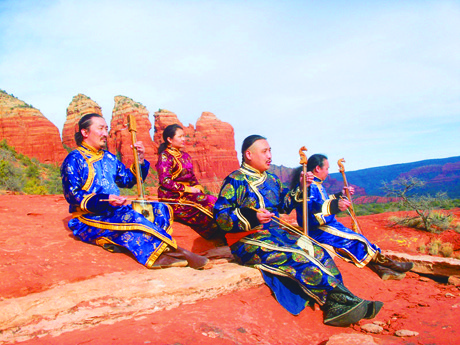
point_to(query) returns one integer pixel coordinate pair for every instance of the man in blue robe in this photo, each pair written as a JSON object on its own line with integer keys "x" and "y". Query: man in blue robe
{"x": 296, "y": 269}
{"x": 91, "y": 177}
{"x": 326, "y": 229}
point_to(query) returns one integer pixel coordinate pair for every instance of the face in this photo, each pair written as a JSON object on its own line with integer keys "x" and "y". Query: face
{"x": 178, "y": 141}
{"x": 96, "y": 135}
{"x": 322, "y": 172}
{"x": 259, "y": 155}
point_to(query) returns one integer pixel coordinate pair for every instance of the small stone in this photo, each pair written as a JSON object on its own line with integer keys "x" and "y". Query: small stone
{"x": 380, "y": 323}
{"x": 372, "y": 328}
{"x": 449, "y": 295}
{"x": 406, "y": 333}
{"x": 424, "y": 279}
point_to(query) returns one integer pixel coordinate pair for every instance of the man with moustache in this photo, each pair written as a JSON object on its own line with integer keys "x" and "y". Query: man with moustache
{"x": 91, "y": 177}
{"x": 297, "y": 270}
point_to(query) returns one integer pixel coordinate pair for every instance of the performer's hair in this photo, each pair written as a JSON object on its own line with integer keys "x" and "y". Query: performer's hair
{"x": 85, "y": 122}
{"x": 247, "y": 143}
{"x": 169, "y": 132}
{"x": 315, "y": 160}
{"x": 295, "y": 177}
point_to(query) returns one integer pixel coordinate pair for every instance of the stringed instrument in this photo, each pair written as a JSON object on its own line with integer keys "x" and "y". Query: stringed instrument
{"x": 354, "y": 221}
{"x": 303, "y": 162}
{"x": 140, "y": 204}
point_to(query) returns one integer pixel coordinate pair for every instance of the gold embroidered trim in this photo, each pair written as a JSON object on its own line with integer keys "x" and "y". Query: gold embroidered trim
{"x": 127, "y": 227}
{"x": 85, "y": 201}
{"x": 176, "y": 155}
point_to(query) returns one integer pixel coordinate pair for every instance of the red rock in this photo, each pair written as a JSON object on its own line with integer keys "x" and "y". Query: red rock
{"x": 454, "y": 280}
{"x": 34, "y": 266}
{"x": 351, "y": 339}
{"x": 28, "y": 131}
{"x": 119, "y": 136}
{"x": 451, "y": 236}
{"x": 80, "y": 106}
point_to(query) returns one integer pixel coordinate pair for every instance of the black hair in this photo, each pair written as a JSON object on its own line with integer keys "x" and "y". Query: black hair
{"x": 85, "y": 122}
{"x": 169, "y": 132}
{"x": 315, "y": 160}
{"x": 247, "y": 143}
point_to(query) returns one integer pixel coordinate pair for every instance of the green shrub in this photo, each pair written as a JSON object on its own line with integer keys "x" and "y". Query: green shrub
{"x": 34, "y": 186}
{"x": 434, "y": 247}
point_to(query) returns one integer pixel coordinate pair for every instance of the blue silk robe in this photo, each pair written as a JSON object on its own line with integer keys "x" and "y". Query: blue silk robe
{"x": 326, "y": 229}
{"x": 295, "y": 276}
{"x": 89, "y": 176}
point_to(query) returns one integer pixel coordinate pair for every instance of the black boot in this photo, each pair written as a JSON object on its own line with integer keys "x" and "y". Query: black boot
{"x": 382, "y": 260}
{"x": 386, "y": 273}
{"x": 342, "y": 308}
{"x": 194, "y": 260}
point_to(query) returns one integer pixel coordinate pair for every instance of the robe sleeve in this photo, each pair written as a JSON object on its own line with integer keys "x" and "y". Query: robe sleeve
{"x": 164, "y": 168}
{"x": 321, "y": 208}
{"x": 74, "y": 172}
{"x": 232, "y": 210}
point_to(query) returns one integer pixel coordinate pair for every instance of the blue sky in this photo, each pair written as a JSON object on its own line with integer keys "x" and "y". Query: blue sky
{"x": 374, "y": 82}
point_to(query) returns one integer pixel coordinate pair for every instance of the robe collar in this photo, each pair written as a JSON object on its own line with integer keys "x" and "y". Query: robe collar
{"x": 174, "y": 152}
{"x": 92, "y": 150}
{"x": 249, "y": 170}
{"x": 317, "y": 180}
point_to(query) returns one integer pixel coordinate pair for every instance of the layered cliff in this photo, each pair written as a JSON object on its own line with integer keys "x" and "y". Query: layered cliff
{"x": 28, "y": 131}
{"x": 120, "y": 140}
{"x": 80, "y": 106}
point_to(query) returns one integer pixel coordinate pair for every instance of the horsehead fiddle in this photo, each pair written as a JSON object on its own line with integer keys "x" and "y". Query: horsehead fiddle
{"x": 140, "y": 204}
{"x": 303, "y": 162}
{"x": 354, "y": 222}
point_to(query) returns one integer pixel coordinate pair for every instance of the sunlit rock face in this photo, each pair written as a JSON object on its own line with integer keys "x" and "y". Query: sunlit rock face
{"x": 81, "y": 105}
{"x": 28, "y": 131}
{"x": 120, "y": 137}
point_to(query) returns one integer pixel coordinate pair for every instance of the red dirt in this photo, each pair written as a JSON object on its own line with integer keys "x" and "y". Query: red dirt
{"x": 37, "y": 251}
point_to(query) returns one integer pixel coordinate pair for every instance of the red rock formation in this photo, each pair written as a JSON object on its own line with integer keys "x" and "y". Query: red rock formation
{"x": 211, "y": 146}
{"x": 28, "y": 131}
{"x": 80, "y": 106}
{"x": 119, "y": 136}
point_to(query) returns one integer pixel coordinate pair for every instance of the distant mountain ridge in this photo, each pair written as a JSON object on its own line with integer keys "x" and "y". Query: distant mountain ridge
{"x": 440, "y": 175}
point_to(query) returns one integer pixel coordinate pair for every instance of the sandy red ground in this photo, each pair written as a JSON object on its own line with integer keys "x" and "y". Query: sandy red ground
{"x": 37, "y": 251}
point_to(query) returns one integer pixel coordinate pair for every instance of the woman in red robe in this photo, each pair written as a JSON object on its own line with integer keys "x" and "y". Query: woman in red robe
{"x": 178, "y": 183}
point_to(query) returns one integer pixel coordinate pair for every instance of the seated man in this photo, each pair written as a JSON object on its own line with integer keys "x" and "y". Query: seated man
{"x": 326, "y": 229}
{"x": 249, "y": 203}
{"x": 90, "y": 179}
